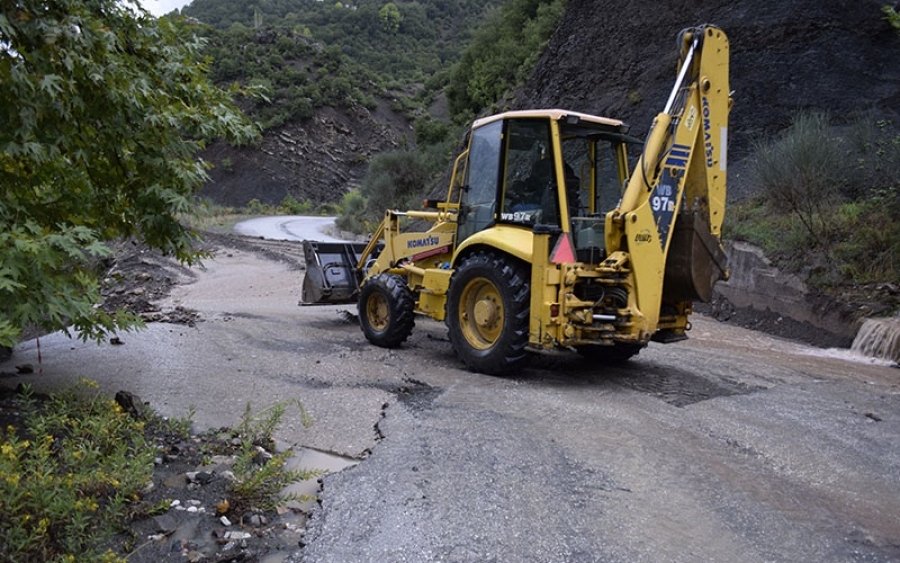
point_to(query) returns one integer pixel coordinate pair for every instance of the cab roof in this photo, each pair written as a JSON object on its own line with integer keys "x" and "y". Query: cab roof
{"x": 554, "y": 114}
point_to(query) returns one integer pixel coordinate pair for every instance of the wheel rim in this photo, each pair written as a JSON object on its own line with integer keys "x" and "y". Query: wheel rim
{"x": 481, "y": 313}
{"x": 377, "y": 312}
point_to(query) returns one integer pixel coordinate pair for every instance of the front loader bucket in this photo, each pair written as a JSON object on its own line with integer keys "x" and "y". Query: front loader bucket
{"x": 331, "y": 273}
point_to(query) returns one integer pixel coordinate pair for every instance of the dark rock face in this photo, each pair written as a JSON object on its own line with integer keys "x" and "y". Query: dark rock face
{"x": 319, "y": 159}
{"x": 618, "y": 58}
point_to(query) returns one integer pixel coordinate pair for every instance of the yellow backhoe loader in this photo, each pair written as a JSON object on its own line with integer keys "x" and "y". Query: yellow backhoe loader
{"x": 547, "y": 240}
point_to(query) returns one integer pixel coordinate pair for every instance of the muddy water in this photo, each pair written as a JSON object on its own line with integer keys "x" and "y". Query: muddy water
{"x": 321, "y": 462}
{"x": 879, "y": 338}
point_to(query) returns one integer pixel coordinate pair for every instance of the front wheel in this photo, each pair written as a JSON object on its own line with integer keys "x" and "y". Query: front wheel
{"x": 386, "y": 307}
{"x": 487, "y": 313}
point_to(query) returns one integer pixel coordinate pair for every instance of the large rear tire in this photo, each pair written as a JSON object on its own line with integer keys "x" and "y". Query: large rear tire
{"x": 386, "y": 307}
{"x": 487, "y": 313}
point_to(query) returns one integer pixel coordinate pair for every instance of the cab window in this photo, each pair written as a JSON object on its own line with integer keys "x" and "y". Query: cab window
{"x": 529, "y": 178}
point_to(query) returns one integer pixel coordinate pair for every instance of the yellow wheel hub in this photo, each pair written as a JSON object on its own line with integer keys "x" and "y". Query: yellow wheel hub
{"x": 481, "y": 313}
{"x": 377, "y": 311}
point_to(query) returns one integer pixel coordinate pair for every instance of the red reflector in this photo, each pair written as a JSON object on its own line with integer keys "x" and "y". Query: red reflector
{"x": 564, "y": 251}
{"x": 554, "y": 310}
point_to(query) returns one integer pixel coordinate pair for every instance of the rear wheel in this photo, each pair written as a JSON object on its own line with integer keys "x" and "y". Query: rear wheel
{"x": 487, "y": 313}
{"x": 615, "y": 354}
{"x": 386, "y": 310}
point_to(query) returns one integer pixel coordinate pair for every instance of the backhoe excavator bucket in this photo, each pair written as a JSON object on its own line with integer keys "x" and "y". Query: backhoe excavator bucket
{"x": 331, "y": 273}
{"x": 696, "y": 261}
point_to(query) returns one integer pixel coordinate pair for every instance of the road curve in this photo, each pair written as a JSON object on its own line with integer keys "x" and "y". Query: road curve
{"x": 290, "y": 227}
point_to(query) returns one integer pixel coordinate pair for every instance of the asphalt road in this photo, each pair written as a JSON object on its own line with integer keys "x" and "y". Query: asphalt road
{"x": 731, "y": 446}
{"x": 290, "y": 227}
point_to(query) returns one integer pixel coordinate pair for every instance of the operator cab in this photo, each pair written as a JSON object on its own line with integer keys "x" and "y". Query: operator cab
{"x": 553, "y": 168}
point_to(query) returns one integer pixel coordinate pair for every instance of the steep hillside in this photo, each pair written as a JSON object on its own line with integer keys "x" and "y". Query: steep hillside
{"x": 617, "y": 58}
{"x": 316, "y": 159}
{"x": 342, "y": 81}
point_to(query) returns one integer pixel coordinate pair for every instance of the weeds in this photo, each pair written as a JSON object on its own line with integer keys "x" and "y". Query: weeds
{"x": 829, "y": 202}
{"x": 68, "y": 476}
{"x": 261, "y": 477}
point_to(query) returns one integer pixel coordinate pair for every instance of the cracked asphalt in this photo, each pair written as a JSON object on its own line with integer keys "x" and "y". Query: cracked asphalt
{"x": 731, "y": 446}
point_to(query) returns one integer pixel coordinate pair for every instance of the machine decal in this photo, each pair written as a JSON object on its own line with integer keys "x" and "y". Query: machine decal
{"x": 678, "y": 156}
{"x": 429, "y": 253}
{"x": 420, "y": 242}
{"x": 662, "y": 202}
{"x": 707, "y": 136}
{"x": 643, "y": 237}
{"x": 691, "y": 118}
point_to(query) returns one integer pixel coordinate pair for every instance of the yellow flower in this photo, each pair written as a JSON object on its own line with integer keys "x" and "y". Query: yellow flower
{"x": 8, "y": 451}
{"x": 13, "y": 479}
{"x": 42, "y": 526}
{"x": 89, "y": 383}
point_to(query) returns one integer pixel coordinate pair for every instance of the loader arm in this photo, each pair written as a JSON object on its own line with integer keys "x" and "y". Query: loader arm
{"x": 664, "y": 235}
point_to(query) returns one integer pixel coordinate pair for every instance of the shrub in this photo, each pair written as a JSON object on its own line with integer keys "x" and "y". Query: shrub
{"x": 261, "y": 477}
{"x": 394, "y": 180}
{"x": 829, "y": 203}
{"x": 68, "y": 476}
{"x": 802, "y": 173}
{"x": 352, "y": 215}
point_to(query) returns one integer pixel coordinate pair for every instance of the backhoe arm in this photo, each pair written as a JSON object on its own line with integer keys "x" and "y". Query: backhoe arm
{"x": 680, "y": 177}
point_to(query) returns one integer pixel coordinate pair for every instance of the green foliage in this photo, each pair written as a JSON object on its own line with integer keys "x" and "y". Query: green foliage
{"x": 296, "y": 74}
{"x": 829, "y": 203}
{"x": 502, "y": 53}
{"x": 102, "y": 111}
{"x": 353, "y": 217}
{"x": 68, "y": 476}
{"x": 892, "y": 17}
{"x": 431, "y": 131}
{"x": 801, "y": 173}
{"x": 261, "y": 477}
{"x": 390, "y": 17}
{"x": 395, "y": 180}
{"x": 426, "y": 38}
{"x": 290, "y": 206}
{"x": 313, "y": 54}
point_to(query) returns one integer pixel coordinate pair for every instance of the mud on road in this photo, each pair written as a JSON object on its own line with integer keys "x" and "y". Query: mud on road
{"x": 731, "y": 446}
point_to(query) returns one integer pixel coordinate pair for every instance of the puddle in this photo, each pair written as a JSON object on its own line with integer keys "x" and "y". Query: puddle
{"x": 314, "y": 460}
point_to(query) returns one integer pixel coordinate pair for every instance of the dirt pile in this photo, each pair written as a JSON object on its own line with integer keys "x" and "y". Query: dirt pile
{"x": 618, "y": 58}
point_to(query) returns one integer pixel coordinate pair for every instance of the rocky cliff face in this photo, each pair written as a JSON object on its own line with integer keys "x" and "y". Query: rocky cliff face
{"x": 617, "y": 58}
{"x": 318, "y": 159}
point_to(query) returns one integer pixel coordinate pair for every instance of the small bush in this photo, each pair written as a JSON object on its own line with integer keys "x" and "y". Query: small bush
{"x": 261, "y": 477}
{"x": 352, "y": 215}
{"x": 67, "y": 477}
{"x": 802, "y": 173}
{"x": 289, "y": 205}
{"x": 829, "y": 203}
{"x": 394, "y": 180}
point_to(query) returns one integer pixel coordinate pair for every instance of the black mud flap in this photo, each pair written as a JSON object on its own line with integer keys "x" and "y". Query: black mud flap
{"x": 331, "y": 274}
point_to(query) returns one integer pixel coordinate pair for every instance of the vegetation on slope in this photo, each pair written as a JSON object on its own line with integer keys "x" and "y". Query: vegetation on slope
{"x": 828, "y": 203}
{"x": 504, "y": 49}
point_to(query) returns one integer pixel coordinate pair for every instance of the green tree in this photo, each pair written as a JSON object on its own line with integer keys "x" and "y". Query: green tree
{"x": 503, "y": 51}
{"x": 390, "y": 17}
{"x": 102, "y": 111}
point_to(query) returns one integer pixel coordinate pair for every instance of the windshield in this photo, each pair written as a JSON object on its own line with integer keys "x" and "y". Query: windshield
{"x": 529, "y": 178}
